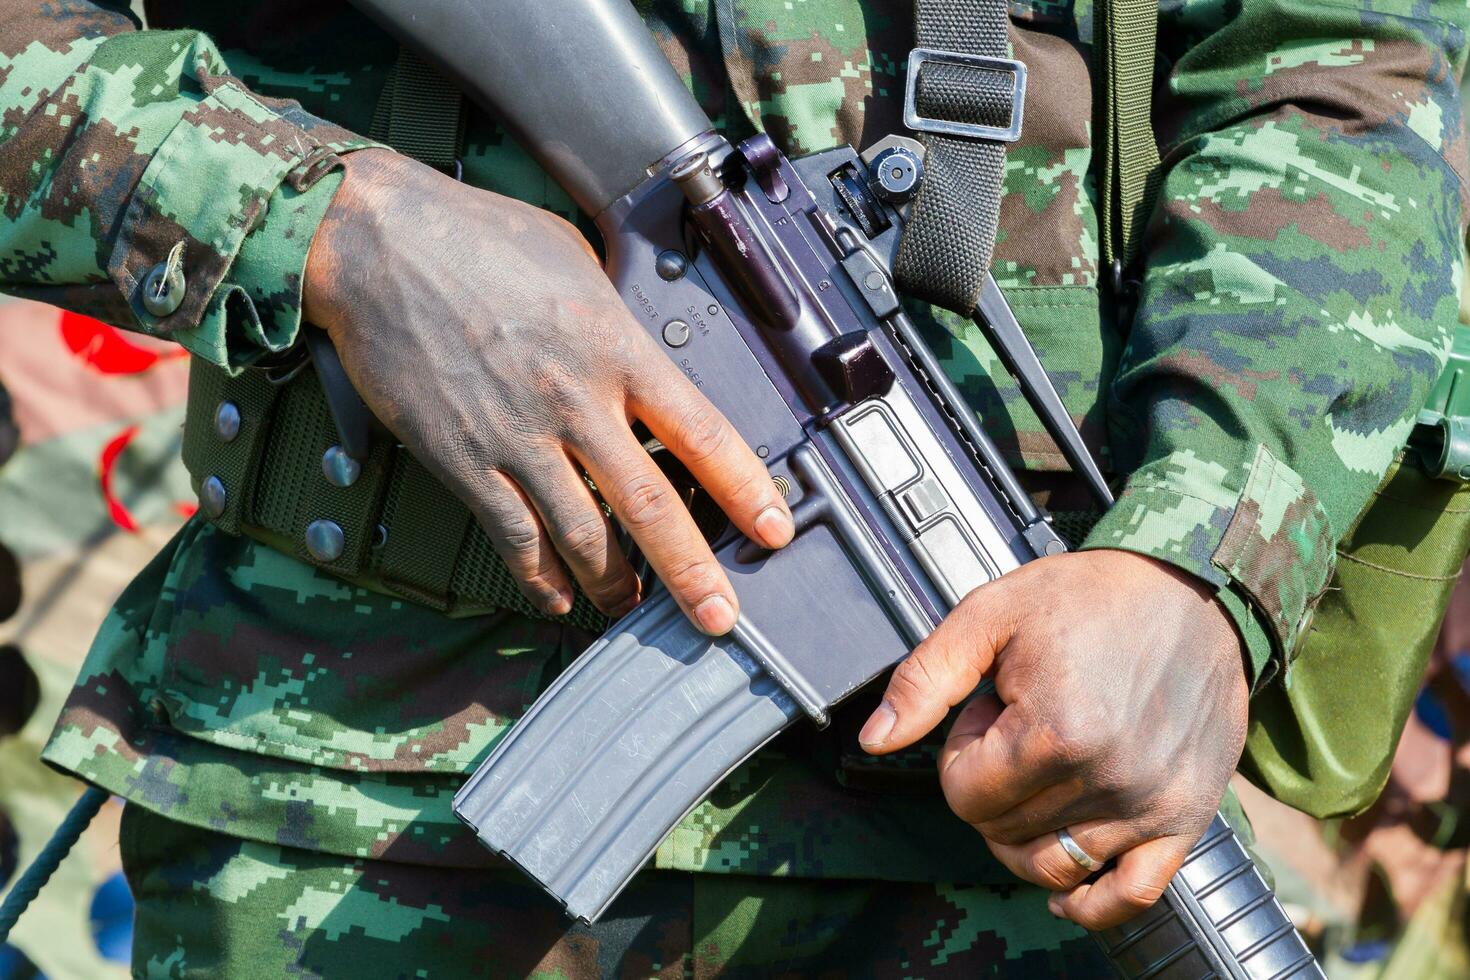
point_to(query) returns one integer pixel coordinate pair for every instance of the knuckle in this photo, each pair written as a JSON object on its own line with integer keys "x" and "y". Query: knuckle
{"x": 962, "y": 803}
{"x": 610, "y": 589}
{"x": 521, "y": 538}
{"x": 645, "y": 500}
{"x": 1090, "y": 918}
{"x": 608, "y": 336}
{"x": 693, "y": 577}
{"x": 559, "y": 388}
{"x": 1138, "y": 894}
{"x": 1010, "y": 836}
{"x": 912, "y": 679}
{"x": 539, "y": 587}
{"x": 1069, "y": 742}
{"x": 701, "y": 433}
{"x": 1047, "y": 871}
{"x": 749, "y": 493}
{"x": 1115, "y": 785}
{"x": 539, "y": 582}
{"x": 586, "y": 536}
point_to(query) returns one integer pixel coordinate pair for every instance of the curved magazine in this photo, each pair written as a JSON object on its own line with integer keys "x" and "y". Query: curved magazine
{"x": 627, "y": 741}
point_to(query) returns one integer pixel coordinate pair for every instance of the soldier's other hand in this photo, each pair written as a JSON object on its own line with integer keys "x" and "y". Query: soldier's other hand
{"x": 1119, "y": 715}
{"x": 484, "y": 334}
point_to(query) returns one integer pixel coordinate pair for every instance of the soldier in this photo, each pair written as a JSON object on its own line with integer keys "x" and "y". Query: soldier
{"x": 290, "y": 693}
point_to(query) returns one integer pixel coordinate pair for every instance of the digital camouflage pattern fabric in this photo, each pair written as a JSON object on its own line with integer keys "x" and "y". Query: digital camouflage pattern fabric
{"x": 121, "y": 146}
{"x": 1300, "y": 283}
{"x": 296, "y": 911}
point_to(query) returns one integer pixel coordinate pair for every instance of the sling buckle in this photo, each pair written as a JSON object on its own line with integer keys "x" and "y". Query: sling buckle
{"x": 980, "y": 96}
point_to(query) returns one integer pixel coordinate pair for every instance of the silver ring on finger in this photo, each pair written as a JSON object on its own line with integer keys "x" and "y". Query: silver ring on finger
{"x": 1076, "y": 853}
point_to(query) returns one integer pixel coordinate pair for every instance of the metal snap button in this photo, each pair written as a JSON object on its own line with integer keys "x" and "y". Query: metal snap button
{"x": 227, "y": 421}
{"x": 325, "y": 540}
{"x": 340, "y": 469}
{"x": 212, "y": 496}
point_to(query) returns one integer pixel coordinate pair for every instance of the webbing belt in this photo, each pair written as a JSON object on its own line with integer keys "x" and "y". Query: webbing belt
{"x": 402, "y": 532}
{"x": 393, "y": 527}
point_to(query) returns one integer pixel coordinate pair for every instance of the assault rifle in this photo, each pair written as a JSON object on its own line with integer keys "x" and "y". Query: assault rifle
{"x": 769, "y": 281}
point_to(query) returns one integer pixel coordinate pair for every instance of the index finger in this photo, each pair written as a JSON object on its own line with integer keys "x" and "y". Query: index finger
{"x": 702, "y": 438}
{"x": 647, "y": 506}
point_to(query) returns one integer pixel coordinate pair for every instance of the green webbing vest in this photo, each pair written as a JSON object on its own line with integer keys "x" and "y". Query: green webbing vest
{"x": 420, "y": 113}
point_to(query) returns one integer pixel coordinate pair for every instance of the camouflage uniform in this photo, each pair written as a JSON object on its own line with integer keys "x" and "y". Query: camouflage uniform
{"x": 290, "y": 741}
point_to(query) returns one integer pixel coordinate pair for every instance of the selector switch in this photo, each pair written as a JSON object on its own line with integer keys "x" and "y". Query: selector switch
{"x": 676, "y": 333}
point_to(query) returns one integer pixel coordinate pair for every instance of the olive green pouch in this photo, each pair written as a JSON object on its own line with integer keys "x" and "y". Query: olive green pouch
{"x": 1322, "y": 740}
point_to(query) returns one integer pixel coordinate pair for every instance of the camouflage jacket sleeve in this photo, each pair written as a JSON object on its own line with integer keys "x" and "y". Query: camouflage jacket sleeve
{"x": 1299, "y": 294}
{"x": 124, "y": 150}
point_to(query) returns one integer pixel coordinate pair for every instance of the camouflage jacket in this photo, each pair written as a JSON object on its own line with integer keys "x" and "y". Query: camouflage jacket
{"x": 1299, "y": 286}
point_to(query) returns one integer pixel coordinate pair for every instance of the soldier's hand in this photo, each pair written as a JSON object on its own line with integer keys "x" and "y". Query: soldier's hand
{"x": 1119, "y": 715}
{"x": 483, "y": 333}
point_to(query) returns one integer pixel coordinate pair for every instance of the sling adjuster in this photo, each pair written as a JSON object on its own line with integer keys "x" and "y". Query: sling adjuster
{"x": 984, "y": 87}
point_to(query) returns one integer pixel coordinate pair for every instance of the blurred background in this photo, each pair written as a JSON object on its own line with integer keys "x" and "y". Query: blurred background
{"x": 90, "y": 488}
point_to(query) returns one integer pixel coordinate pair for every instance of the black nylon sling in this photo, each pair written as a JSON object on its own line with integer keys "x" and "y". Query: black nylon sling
{"x": 950, "y": 234}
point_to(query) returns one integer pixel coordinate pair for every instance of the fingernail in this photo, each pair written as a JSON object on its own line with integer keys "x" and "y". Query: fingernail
{"x": 774, "y": 527}
{"x": 1055, "y": 908}
{"x": 715, "y": 615}
{"x": 879, "y": 724}
{"x": 561, "y": 604}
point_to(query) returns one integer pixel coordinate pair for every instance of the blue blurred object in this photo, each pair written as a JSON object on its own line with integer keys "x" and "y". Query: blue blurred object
{"x": 1432, "y": 714}
{"x": 1370, "y": 951}
{"x": 1431, "y": 709}
{"x": 112, "y": 920}
{"x": 1460, "y": 663}
{"x": 15, "y": 966}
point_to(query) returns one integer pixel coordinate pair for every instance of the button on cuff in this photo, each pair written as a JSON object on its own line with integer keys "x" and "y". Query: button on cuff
{"x": 164, "y": 288}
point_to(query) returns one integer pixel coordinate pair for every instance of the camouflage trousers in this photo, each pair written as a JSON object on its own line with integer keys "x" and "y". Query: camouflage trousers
{"x": 210, "y": 905}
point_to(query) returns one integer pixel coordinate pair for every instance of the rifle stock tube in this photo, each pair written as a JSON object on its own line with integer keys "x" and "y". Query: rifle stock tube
{"x": 532, "y": 64}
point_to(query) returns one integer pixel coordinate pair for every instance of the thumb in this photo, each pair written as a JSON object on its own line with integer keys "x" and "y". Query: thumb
{"x": 941, "y": 672}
